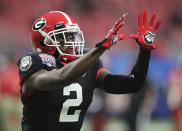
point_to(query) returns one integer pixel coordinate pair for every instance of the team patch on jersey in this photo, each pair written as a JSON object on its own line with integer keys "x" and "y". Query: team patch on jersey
{"x": 48, "y": 60}
{"x": 26, "y": 63}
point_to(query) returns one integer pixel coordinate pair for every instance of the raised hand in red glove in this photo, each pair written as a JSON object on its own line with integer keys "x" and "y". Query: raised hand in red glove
{"x": 146, "y": 33}
{"x": 112, "y": 36}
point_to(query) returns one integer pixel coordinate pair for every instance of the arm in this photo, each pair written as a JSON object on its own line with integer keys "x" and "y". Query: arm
{"x": 50, "y": 80}
{"x": 120, "y": 84}
{"x": 56, "y": 79}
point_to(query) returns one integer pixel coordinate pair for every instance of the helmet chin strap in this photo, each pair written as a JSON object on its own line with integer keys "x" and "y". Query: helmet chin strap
{"x": 65, "y": 58}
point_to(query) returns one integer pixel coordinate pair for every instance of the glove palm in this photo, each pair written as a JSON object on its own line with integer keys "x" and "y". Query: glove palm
{"x": 146, "y": 33}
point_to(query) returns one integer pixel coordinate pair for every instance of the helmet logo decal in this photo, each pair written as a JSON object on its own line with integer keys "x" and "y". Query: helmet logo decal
{"x": 39, "y": 24}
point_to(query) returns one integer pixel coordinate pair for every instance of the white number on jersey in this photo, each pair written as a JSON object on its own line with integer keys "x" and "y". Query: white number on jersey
{"x": 64, "y": 117}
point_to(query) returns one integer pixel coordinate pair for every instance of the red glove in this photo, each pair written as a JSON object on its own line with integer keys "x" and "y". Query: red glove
{"x": 146, "y": 34}
{"x": 112, "y": 36}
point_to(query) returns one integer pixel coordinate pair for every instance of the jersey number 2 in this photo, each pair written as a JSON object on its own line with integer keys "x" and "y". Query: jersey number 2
{"x": 64, "y": 117}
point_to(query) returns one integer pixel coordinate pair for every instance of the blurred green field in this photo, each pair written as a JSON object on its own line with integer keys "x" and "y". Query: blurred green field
{"x": 118, "y": 125}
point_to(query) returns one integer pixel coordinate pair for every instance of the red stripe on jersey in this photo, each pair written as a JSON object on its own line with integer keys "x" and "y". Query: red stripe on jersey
{"x": 26, "y": 95}
{"x": 21, "y": 82}
{"x": 64, "y": 63}
{"x": 98, "y": 72}
{"x": 23, "y": 78}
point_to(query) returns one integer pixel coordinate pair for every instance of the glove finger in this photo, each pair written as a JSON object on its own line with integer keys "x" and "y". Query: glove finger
{"x": 121, "y": 19}
{"x": 134, "y": 36}
{"x": 157, "y": 24}
{"x": 145, "y": 18}
{"x": 118, "y": 24}
{"x": 139, "y": 22}
{"x": 118, "y": 27}
{"x": 152, "y": 20}
{"x": 121, "y": 36}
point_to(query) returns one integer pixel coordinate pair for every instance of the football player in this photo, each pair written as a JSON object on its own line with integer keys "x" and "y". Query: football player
{"x": 58, "y": 80}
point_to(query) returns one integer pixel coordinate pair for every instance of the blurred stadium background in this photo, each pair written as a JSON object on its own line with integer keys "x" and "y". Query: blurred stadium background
{"x": 158, "y": 107}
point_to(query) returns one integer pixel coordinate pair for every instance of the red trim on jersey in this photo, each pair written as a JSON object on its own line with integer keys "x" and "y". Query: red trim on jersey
{"x": 26, "y": 95}
{"x": 98, "y": 72}
{"x": 23, "y": 78}
{"x": 64, "y": 63}
{"x": 21, "y": 82}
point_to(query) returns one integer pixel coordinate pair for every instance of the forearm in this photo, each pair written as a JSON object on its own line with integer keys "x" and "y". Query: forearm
{"x": 57, "y": 79}
{"x": 77, "y": 68}
{"x": 141, "y": 68}
{"x": 120, "y": 84}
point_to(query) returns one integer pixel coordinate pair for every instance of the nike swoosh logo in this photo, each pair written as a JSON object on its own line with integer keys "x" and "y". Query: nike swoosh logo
{"x": 132, "y": 76}
{"x": 84, "y": 74}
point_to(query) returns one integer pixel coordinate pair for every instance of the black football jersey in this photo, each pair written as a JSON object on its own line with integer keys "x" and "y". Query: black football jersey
{"x": 59, "y": 110}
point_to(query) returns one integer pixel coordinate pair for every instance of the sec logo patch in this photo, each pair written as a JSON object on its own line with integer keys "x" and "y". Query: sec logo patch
{"x": 48, "y": 60}
{"x": 26, "y": 63}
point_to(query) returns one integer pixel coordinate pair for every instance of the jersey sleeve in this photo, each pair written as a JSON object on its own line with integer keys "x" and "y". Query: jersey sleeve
{"x": 28, "y": 65}
{"x": 124, "y": 84}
